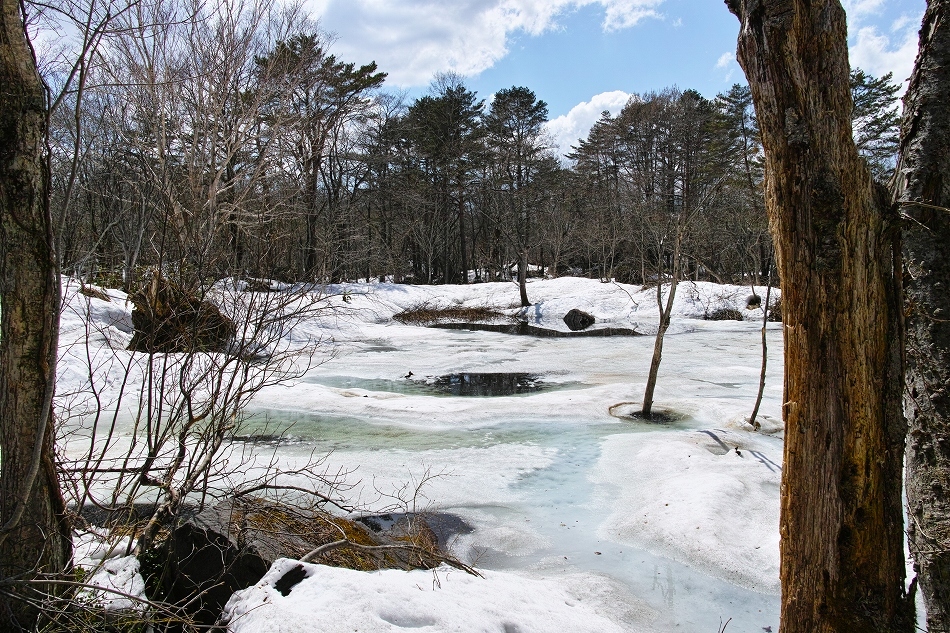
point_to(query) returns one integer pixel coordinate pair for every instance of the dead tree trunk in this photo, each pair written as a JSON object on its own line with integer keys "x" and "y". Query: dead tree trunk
{"x": 34, "y": 538}
{"x": 922, "y": 189}
{"x": 837, "y": 249}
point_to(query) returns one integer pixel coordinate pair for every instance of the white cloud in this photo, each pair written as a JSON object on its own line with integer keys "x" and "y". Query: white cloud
{"x": 566, "y": 129}
{"x": 622, "y": 14}
{"x": 861, "y": 8}
{"x": 879, "y": 54}
{"x": 876, "y": 51}
{"x": 414, "y": 39}
{"x": 728, "y": 64}
{"x": 725, "y": 59}
{"x": 901, "y": 23}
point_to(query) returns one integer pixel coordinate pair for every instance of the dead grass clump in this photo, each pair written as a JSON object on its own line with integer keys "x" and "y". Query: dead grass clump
{"x": 425, "y": 314}
{"x": 94, "y": 293}
{"x": 725, "y": 314}
{"x": 775, "y": 312}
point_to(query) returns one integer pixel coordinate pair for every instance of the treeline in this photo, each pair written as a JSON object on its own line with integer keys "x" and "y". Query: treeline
{"x": 219, "y": 140}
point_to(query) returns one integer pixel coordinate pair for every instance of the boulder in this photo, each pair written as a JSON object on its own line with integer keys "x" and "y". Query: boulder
{"x": 578, "y": 320}
{"x": 213, "y": 553}
{"x": 166, "y": 318}
{"x": 434, "y": 530}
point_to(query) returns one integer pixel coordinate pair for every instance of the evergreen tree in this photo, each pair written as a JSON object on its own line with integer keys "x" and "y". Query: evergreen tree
{"x": 875, "y": 121}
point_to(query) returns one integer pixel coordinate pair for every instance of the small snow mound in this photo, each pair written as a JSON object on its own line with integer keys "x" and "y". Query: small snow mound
{"x": 332, "y": 599}
{"x": 121, "y": 585}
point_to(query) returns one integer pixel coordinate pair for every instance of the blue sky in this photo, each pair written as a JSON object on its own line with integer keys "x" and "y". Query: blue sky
{"x": 583, "y": 56}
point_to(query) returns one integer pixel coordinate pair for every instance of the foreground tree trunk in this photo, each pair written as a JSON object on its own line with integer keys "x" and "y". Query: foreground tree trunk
{"x": 34, "y": 538}
{"x": 837, "y": 249}
{"x": 922, "y": 189}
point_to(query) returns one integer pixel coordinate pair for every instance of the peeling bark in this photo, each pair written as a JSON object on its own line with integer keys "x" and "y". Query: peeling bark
{"x": 923, "y": 178}
{"x": 837, "y": 250}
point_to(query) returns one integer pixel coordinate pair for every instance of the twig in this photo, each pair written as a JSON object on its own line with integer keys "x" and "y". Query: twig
{"x": 912, "y": 203}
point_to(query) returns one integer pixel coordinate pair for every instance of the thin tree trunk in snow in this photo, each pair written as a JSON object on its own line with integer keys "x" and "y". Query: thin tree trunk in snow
{"x": 665, "y": 313}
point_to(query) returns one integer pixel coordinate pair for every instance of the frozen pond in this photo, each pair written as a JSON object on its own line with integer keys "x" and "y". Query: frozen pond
{"x": 657, "y": 526}
{"x": 532, "y": 473}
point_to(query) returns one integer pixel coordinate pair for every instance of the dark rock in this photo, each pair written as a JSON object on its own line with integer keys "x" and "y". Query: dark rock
{"x": 578, "y": 320}
{"x": 436, "y": 529}
{"x": 290, "y": 579}
{"x": 213, "y": 553}
{"x": 166, "y": 318}
{"x": 198, "y": 569}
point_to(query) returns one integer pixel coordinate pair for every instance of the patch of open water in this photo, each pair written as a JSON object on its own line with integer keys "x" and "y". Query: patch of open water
{"x": 525, "y": 329}
{"x": 465, "y": 384}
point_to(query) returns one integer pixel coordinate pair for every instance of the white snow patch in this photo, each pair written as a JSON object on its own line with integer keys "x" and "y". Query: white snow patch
{"x": 122, "y": 586}
{"x": 334, "y": 600}
{"x": 102, "y": 556}
{"x": 694, "y": 498}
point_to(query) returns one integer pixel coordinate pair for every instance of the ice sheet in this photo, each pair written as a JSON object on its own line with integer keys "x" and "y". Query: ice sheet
{"x": 555, "y": 486}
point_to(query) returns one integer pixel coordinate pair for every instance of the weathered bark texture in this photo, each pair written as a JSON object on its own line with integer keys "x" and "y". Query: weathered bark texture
{"x": 837, "y": 250}
{"x": 923, "y": 176}
{"x": 33, "y": 535}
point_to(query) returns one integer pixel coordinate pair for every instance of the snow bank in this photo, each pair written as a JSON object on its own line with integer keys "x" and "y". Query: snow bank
{"x": 697, "y": 499}
{"x": 613, "y": 304}
{"x": 122, "y": 587}
{"x": 334, "y": 600}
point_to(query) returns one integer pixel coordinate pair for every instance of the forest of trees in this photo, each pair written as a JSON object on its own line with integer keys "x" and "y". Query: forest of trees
{"x": 210, "y": 141}
{"x": 231, "y": 142}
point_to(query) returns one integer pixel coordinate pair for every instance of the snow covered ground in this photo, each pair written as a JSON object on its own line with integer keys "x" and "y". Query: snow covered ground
{"x": 584, "y": 519}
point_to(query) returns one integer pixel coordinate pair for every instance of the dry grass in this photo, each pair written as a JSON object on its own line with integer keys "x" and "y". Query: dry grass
{"x": 93, "y": 292}
{"x": 724, "y": 314}
{"x": 424, "y": 314}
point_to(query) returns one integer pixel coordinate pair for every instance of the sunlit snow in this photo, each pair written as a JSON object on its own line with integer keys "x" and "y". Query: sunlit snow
{"x": 584, "y": 519}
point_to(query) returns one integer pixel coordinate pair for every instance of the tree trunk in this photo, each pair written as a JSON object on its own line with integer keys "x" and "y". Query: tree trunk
{"x": 647, "y": 410}
{"x": 523, "y": 277}
{"x": 923, "y": 176}
{"x": 462, "y": 244}
{"x": 665, "y": 312}
{"x": 765, "y": 354}
{"x": 837, "y": 249}
{"x": 34, "y": 536}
